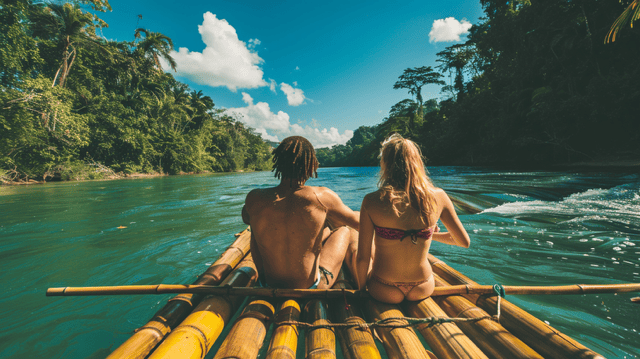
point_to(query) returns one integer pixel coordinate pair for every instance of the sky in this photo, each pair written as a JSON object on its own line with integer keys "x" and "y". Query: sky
{"x": 318, "y": 69}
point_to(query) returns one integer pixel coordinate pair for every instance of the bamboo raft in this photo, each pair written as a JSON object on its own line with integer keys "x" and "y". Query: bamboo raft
{"x": 334, "y": 323}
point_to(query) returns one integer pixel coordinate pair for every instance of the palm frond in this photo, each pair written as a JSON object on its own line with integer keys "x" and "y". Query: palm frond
{"x": 628, "y": 16}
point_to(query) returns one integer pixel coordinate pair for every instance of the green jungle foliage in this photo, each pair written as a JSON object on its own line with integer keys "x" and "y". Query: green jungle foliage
{"x": 75, "y": 106}
{"x": 535, "y": 84}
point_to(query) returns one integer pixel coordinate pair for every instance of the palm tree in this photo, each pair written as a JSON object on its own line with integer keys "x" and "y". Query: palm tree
{"x": 628, "y": 16}
{"x": 72, "y": 28}
{"x": 156, "y": 45}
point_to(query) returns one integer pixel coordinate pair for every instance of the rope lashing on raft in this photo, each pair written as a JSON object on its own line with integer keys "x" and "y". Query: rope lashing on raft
{"x": 394, "y": 322}
{"x": 403, "y": 322}
{"x": 498, "y": 289}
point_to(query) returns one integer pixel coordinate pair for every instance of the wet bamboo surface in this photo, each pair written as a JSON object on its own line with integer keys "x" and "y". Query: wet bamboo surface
{"x": 148, "y": 336}
{"x": 248, "y": 332}
{"x": 485, "y": 338}
{"x": 541, "y": 337}
{"x": 196, "y": 334}
{"x": 446, "y": 340}
{"x": 398, "y": 342}
{"x": 356, "y": 343}
{"x": 320, "y": 343}
{"x": 284, "y": 340}
{"x": 491, "y": 337}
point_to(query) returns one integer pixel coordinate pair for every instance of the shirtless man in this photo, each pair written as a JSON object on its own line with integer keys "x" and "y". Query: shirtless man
{"x": 291, "y": 244}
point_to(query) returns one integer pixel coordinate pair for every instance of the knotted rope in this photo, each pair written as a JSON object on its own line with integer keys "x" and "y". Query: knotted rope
{"x": 402, "y": 322}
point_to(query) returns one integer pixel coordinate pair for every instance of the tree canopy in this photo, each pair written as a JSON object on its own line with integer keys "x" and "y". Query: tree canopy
{"x": 75, "y": 105}
{"x": 535, "y": 85}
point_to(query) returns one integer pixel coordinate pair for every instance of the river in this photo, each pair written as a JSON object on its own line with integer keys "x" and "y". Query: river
{"x": 534, "y": 228}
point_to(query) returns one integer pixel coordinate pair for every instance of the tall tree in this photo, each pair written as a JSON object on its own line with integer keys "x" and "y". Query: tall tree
{"x": 71, "y": 28}
{"x": 456, "y": 58}
{"x": 413, "y": 79}
{"x": 156, "y": 46}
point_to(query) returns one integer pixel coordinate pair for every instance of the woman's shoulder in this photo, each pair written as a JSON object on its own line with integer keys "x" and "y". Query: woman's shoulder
{"x": 372, "y": 196}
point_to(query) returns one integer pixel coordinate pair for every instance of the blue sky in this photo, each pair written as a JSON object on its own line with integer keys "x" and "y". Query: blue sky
{"x": 319, "y": 69}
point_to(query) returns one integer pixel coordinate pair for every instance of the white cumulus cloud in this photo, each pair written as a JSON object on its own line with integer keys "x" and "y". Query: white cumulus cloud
{"x": 321, "y": 138}
{"x": 276, "y": 126}
{"x": 447, "y": 30}
{"x": 260, "y": 117}
{"x": 225, "y": 61}
{"x": 295, "y": 97}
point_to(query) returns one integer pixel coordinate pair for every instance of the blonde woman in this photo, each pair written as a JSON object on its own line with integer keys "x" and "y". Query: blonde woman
{"x": 398, "y": 223}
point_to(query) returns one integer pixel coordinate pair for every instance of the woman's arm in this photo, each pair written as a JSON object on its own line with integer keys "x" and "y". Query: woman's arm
{"x": 456, "y": 234}
{"x": 365, "y": 243}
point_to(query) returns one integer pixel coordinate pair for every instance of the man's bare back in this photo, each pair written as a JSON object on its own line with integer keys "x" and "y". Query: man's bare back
{"x": 290, "y": 240}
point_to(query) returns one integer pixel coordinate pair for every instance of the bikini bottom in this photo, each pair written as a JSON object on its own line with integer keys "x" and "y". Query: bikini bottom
{"x": 322, "y": 271}
{"x": 404, "y": 287}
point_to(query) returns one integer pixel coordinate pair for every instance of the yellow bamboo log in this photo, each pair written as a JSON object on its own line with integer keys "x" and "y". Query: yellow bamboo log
{"x": 247, "y": 334}
{"x": 320, "y": 343}
{"x": 541, "y": 337}
{"x": 284, "y": 340}
{"x": 196, "y": 334}
{"x": 356, "y": 343}
{"x": 491, "y": 337}
{"x": 148, "y": 336}
{"x": 446, "y": 340}
{"x": 398, "y": 342}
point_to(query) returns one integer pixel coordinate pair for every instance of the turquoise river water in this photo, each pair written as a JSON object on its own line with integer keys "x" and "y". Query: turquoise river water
{"x": 534, "y": 228}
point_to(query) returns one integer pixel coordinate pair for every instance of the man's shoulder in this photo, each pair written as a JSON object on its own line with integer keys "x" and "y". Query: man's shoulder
{"x": 322, "y": 192}
{"x": 317, "y": 189}
{"x": 258, "y": 194}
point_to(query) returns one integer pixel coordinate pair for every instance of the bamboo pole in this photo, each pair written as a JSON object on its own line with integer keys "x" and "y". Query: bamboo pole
{"x": 356, "y": 343}
{"x": 247, "y": 334}
{"x": 284, "y": 340}
{"x": 333, "y": 293}
{"x": 398, "y": 342}
{"x": 148, "y": 336}
{"x": 320, "y": 343}
{"x": 196, "y": 334}
{"x": 491, "y": 337}
{"x": 541, "y": 337}
{"x": 446, "y": 340}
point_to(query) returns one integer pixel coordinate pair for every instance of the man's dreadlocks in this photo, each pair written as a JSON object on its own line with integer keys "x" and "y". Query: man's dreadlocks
{"x": 295, "y": 159}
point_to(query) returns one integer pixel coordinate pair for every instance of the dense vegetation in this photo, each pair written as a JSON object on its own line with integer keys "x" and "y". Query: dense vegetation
{"x": 74, "y": 105}
{"x": 535, "y": 84}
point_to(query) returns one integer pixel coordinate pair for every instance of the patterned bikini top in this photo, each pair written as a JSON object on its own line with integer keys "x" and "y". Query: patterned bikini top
{"x": 393, "y": 233}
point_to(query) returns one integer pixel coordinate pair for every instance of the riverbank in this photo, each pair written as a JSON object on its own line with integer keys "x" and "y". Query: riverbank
{"x": 115, "y": 176}
{"x": 622, "y": 165}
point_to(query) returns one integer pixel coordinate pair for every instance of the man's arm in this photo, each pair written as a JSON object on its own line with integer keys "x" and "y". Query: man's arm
{"x": 257, "y": 258}
{"x": 338, "y": 213}
{"x": 245, "y": 215}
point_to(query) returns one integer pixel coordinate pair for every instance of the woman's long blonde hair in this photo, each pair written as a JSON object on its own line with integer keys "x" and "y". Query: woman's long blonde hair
{"x": 403, "y": 178}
